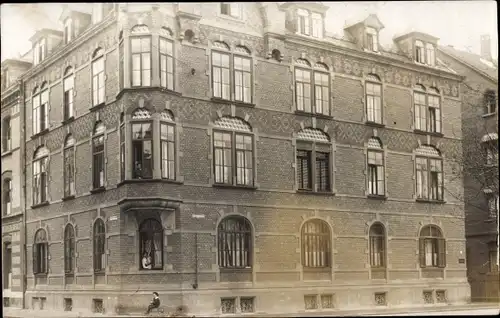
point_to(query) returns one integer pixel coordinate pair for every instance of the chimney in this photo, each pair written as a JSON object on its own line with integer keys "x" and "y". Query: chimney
{"x": 486, "y": 47}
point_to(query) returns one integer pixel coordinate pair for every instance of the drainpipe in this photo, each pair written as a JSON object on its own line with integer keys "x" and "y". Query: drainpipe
{"x": 22, "y": 144}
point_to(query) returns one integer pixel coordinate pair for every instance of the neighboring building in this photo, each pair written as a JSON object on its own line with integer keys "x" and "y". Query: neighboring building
{"x": 12, "y": 150}
{"x": 233, "y": 158}
{"x": 480, "y": 164}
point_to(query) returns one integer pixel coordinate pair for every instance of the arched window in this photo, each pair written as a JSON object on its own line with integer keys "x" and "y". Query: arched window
{"x": 98, "y": 162}
{"x": 312, "y": 88}
{"x": 376, "y": 175}
{"x": 40, "y": 177}
{"x": 167, "y": 68}
{"x": 69, "y": 249}
{"x": 40, "y": 252}
{"x": 151, "y": 242}
{"x": 167, "y": 141}
{"x": 6, "y": 134}
{"x": 313, "y": 164}
{"x": 276, "y": 54}
{"x": 140, "y": 43}
{"x": 432, "y": 247}
{"x": 233, "y": 152}
{"x": 377, "y": 246}
{"x": 235, "y": 242}
{"x": 40, "y": 105}
{"x": 98, "y": 85}
{"x": 142, "y": 144}
{"x": 7, "y": 196}
{"x": 373, "y": 88}
{"x": 427, "y": 109}
{"x": 69, "y": 166}
{"x": 316, "y": 244}
{"x": 68, "y": 85}
{"x": 429, "y": 170}
{"x": 99, "y": 246}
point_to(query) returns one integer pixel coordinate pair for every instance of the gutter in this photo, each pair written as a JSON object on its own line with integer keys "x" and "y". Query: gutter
{"x": 22, "y": 145}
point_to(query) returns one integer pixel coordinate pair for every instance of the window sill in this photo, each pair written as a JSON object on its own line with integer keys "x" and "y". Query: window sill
{"x": 488, "y": 115}
{"x": 423, "y": 132}
{"x": 132, "y": 181}
{"x": 377, "y": 196}
{"x": 302, "y": 113}
{"x": 97, "y": 107}
{"x": 233, "y": 186}
{"x": 317, "y": 269}
{"x": 40, "y": 275}
{"x": 69, "y": 197}
{"x": 374, "y": 124}
{"x": 99, "y": 272}
{"x": 150, "y": 269}
{"x": 98, "y": 190}
{"x": 41, "y": 133}
{"x": 430, "y": 201}
{"x": 39, "y": 205}
{"x": 311, "y": 192}
{"x": 235, "y": 269}
{"x": 69, "y": 274}
{"x": 68, "y": 120}
{"x": 7, "y": 153}
{"x": 11, "y": 215}
{"x": 432, "y": 268}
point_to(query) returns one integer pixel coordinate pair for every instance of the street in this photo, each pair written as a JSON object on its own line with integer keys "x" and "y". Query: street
{"x": 466, "y": 312}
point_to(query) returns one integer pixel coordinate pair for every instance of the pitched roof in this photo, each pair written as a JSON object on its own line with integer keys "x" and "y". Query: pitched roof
{"x": 472, "y": 60}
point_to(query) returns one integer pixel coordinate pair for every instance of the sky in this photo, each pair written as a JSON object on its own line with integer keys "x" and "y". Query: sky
{"x": 457, "y": 23}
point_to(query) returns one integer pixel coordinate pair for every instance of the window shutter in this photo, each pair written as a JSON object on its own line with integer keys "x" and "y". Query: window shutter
{"x": 441, "y": 252}
{"x": 35, "y": 259}
{"x": 421, "y": 252}
{"x": 46, "y": 259}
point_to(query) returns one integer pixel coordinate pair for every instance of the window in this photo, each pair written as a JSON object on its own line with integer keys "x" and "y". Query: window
{"x": 430, "y": 54}
{"x": 427, "y": 109}
{"x": 373, "y": 99}
{"x": 6, "y": 134}
{"x": 491, "y": 149}
{"x": 429, "y": 169}
{"x": 167, "y": 141}
{"x": 313, "y": 160}
{"x": 99, "y": 244}
{"x": 68, "y": 30}
{"x": 69, "y": 249}
{"x": 376, "y": 175}
{"x": 432, "y": 247}
{"x": 490, "y": 102}
{"x": 122, "y": 146}
{"x": 317, "y": 25}
{"x": 142, "y": 144}
{"x": 242, "y": 79}
{"x": 377, "y": 246}
{"x": 231, "y": 9}
{"x": 141, "y": 61}
{"x": 372, "y": 39}
{"x": 7, "y": 196}
{"x": 40, "y": 101}
{"x": 98, "y": 162}
{"x": 68, "y": 85}
{"x": 316, "y": 88}
{"x": 151, "y": 237}
{"x": 303, "y": 22}
{"x": 7, "y": 266}
{"x": 69, "y": 166}
{"x": 233, "y": 143}
{"x": 166, "y": 61}
{"x": 40, "y": 252}
{"x": 316, "y": 250}
{"x": 420, "y": 52}
{"x": 493, "y": 259}
{"x": 493, "y": 206}
{"x": 97, "y": 12}
{"x": 98, "y": 86}
{"x": 40, "y": 177}
{"x": 234, "y": 242}
{"x": 39, "y": 51}
{"x": 220, "y": 74}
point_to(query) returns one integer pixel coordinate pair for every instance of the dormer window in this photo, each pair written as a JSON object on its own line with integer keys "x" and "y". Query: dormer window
{"x": 419, "y": 52}
{"x": 317, "y": 25}
{"x": 303, "y": 22}
{"x": 309, "y": 23}
{"x": 39, "y": 51}
{"x": 430, "y": 54}
{"x": 231, "y": 9}
{"x": 68, "y": 30}
{"x": 372, "y": 39}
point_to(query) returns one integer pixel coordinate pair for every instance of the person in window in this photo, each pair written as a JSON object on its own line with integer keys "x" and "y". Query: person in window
{"x": 155, "y": 303}
{"x": 146, "y": 261}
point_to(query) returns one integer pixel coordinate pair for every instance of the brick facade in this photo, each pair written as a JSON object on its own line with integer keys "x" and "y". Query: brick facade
{"x": 275, "y": 210}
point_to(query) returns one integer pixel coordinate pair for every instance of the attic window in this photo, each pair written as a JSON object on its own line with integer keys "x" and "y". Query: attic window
{"x": 309, "y": 23}
{"x": 372, "y": 39}
{"x": 231, "y": 9}
{"x": 39, "y": 51}
{"x": 419, "y": 52}
{"x": 68, "y": 30}
{"x": 430, "y": 54}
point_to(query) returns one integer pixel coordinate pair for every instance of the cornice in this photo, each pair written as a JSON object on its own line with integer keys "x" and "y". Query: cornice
{"x": 470, "y": 66}
{"x": 290, "y": 38}
{"x": 149, "y": 203}
{"x": 68, "y": 48}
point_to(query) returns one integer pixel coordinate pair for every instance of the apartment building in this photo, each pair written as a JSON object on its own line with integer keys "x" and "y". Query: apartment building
{"x": 480, "y": 164}
{"x": 236, "y": 158}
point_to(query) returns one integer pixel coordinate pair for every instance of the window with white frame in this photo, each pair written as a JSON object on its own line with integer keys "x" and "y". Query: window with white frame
{"x": 303, "y": 26}
{"x": 98, "y": 159}
{"x": 373, "y": 88}
{"x": 231, "y": 9}
{"x": 419, "y": 52}
{"x": 167, "y": 144}
{"x": 312, "y": 88}
{"x": 372, "y": 39}
{"x": 98, "y": 85}
{"x": 427, "y": 109}
{"x": 6, "y": 134}
{"x": 313, "y": 160}
{"x": 430, "y": 54}
{"x": 317, "y": 25}
{"x": 490, "y": 102}
{"x": 40, "y": 101}
{"x": 166, "y": 59}
{"x": 377, "y": 246}
{"x": 40, "y": 176}
{"x": 141, "y": 60}
{"x": 432, "y": 247}
{"x": 69, "y": 166}
{"x": 68, "y": 30}
{"x": 310, "y": 23}
{"x": 68, "y": 86}
{"x": 376, "y": 174}
{"x": 39, "y": 51}
{"x": 99, "y": 240}
{"x": 233, "y": 152}
{"x": 7, "y": 196}
{"x": 142, "y": 144}
{"x": 429, "y": 173}
{"x": 40, "y": 253}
